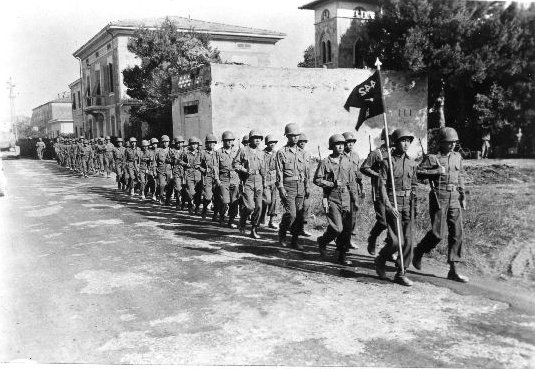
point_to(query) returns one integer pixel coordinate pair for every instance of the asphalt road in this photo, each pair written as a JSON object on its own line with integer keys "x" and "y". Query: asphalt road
{"x": 90, "y": 275}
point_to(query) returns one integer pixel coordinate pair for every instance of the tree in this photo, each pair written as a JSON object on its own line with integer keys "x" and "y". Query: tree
{"x": 164, "y": 52}
{"x": 481, "y": 51}
{"x": 309, "y": 58}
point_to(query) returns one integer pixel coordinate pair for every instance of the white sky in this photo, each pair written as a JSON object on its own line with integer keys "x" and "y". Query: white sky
{"x": 39, "y": 37}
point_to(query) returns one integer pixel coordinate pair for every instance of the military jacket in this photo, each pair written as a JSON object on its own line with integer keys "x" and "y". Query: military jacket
{"x": 371, "y": 166}
{"x": 336, "y": 175}
{"x": 191, "y": 160}
{"x": 100, "y": 149}
{"x": 270, "y": 167}
{"x": 86, "y": 152}
{"x": 208, "y": 162}
{"x": 224, "y": 171}
{"x": 174, "y": 159}
{"x": 404, "y": 170}
{"x": 108, "y": 148}
{"x": 161, "y": 156}
{"x": 119, "y": 154}
{"x": 145, "y": 160}
{"x": 250, "y": 163}
{"x": 131, "y": 155}
{"x": 291, "y": 165}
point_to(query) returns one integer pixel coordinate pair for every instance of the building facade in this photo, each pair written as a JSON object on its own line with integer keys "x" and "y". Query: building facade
{"x": 338, "y": 31}
{"x": 239, "y": 98}
{"x": 105, "y": 106}
{"x": 53, "y": 118}
{"x": 77, "y": 112}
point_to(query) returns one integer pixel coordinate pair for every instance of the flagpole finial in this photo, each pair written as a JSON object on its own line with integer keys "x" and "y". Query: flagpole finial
{"x": 378, "y": 63}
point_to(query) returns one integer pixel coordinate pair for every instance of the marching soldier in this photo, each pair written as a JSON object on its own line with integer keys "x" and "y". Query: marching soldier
{"x": 86, "y": 152}
{"x": 446, "y": 199}
{"x": 57, "y": 150}
{"x": 191, "y": 161}
{"x": 270, "y": 199}
{"x": 119, "y": 157}
{"x": 79, "y": 146}
{"x": 371, "y": 167}
{"x": 152, "y": 184}
{"x": 163, "y": 170}
{"x": 337, "y": 176}
{"x": 131, "y": 165}
{"x": 100, "y": 152}
{"x": 95, "y": 165}
{"x": 108, "y": 156}
{"x": 40, "y": 146}
{"x": 303, "y": 140}
{"x": 245, "y": 141}
{"x": 404, "y": 170}
{"x": 177, "y": 170}
{"x": 250, "y": 163}
{"x": 354, "y": 159}
{"x": 292, "y": 180}
{"x": 146, "y": 169}
{"x": 208, "y": 163}
{"x": 227, "y": 180}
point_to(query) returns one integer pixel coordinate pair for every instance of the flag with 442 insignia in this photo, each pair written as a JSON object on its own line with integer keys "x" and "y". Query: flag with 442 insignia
{"x": 367, "y": 97}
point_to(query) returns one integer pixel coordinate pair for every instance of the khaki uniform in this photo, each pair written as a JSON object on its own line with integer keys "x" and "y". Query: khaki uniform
{"x": 177, "y": 173}
{"x": 164, "y": 173}
{"x": 191, "y": 161}
{"x": 86, "y": 152}
{"x": 131, "y": 156}
{"x": 208, "y": 163}
{"x": 108, "y": 157}
{"x": 270, "y": 200}
{"x": 446, "y": 214}
{"x": 146, "y": 168}
{"x": 40, "y": 146}
{"x": 354, "y": 161}
{"x": 228, "y": 180}
{"x": 119, "y": 157}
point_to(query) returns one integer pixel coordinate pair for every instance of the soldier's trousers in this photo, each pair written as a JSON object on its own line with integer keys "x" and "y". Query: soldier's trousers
{"x": 84, "y": 164}
{"x": 270, "y": 202}
{"x": 229, "y": 195}
{"x": 130, "y": 175}
{"x": 380, "y": 222}
{"x": 40, "y": 154}
{"x": 340, "y": 218}
{"x": 208, "y": 188}
{"x": 119, "y": 172}
{"x": 292, "y": 219}
{"x": 392, "y": 238}
{"x": 177, "y": 187}
{"x": 252, "y": 204}
{"x": 144, "y": 178}
{"x": 108, "y": 163}
{"x": 164, "y": 183}
{"x": 446, "y": 219}
{"x": 193, "y": 191}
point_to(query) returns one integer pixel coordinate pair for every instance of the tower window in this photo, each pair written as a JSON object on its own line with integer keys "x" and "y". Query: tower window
{"x": 325, "y": 15}
{"x": 329, "y": 52}
{"x": 323, "y": 52}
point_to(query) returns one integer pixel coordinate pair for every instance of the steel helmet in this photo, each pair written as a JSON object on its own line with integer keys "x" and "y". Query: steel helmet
{"x": 108, "y": 138}
{"x": 245, "y": 139}
{"x": 399, "y": 133}
{"x": 270, "y": 138}
{"x": 179, "y": 139}
{"x": 383, "y": 134}
{"x": 227, "y": 135}
{"x": 291, "y": 129}
{"x": 349, "y": 136}
{"x": 133, "y": 139}
{"x": 336, "y": 138}
{"x": 255, "y": 133}
{"x": 303, "y": 137}
{"x": 448, "y": 134}
{"x": 119, "y": 139}
{"x": 210, "y": 138}
{"x": 164, "y": 138}
{"x": 194, "y": 140}
{"x": 144, "y": 143}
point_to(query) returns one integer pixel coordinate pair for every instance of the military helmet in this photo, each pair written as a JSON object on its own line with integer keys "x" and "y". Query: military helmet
{"x": 144, "y": 143}
{"x": 164, "y": 138}
{"x": 270, "y": 138}
{"x": 194, "y": 140}
{"x": 108, "y": 138}
{"x": 154, "y": 140}
{"x": 210, "y": 138}
{"x": 448, "y": 134}
{"x": 383, "y": 134}
{"x": 119, "y": 139}
{"x": 179, "y": 139}
{"x": 291, "y": 129}
{"x": 303, "y": 137}
{"x": 227, "y": 135}
{"x": 336, "y": 138}
{"x": 400, "y": 133}
{"x": 349, "y": 136}
{"x": 255, "y": 133}
{"x": 245, "y": 139}
{"x": 133, "y": 139}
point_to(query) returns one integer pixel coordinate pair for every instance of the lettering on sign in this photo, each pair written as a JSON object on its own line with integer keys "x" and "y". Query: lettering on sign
{"x": 361, "y": 13}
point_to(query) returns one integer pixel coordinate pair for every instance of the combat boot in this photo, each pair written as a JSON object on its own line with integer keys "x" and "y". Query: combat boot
{"x": 353, "y": 245}
{"x": 118, "y": 185}
{"x": 454, "y": 276}
{"x": 371, "y": 245}
{"x": 305, "y": 233}
{"x": 380, "y": 265}
{"x": 282, "y": 240}
{"x": 342, "y": 259}
{"x": 204, "y": 212}
{"x": 295, "y": 243}
{"x": 197, "y": 209}
{"x": 254, "y": 235}
{"x": 417, "y": 259}
{"x": 322, "y": 247}
{"x": 401, "y": 279}
{"x": 270, "y": 224}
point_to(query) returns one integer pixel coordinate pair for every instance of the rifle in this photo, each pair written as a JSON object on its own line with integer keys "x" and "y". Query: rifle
{"x": 324, "y": 201}
{"x": 373, "y": 189}
{"x": 431, "y": 184}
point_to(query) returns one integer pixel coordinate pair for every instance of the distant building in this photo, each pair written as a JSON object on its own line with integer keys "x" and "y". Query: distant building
{"x": 105, "y": 105}
{"x": 239, "y": 98}
{"x": 53, "y": 118}
{"x": 77, "y": 112}
{"x": 339, "y": 34}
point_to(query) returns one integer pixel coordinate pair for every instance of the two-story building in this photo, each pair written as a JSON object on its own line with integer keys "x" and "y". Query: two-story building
{"x": 53, "y": 118}
{"x": 77, "y": 113}
{"x": 105, "y": 106}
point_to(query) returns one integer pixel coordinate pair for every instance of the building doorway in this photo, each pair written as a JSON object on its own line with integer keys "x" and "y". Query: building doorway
{"x": 358, "y": 54}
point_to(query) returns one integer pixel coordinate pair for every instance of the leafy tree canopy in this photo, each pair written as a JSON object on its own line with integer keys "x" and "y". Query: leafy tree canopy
{"x": 308, "y": 58}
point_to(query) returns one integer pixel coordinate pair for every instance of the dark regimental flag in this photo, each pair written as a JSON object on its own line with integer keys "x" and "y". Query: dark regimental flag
{"x": 367, "y": 97}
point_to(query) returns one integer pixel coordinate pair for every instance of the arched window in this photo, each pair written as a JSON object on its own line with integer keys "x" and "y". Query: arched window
{"x": 325, "y": 15}
{"x": 329, "y": 52}
{"x": 323, "y": 53}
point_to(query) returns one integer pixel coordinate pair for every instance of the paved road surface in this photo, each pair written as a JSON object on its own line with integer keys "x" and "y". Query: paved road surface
{"x": 90, "y": 275}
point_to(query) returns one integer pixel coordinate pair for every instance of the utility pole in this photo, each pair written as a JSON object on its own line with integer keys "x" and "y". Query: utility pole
{"x": 11, "y": 87}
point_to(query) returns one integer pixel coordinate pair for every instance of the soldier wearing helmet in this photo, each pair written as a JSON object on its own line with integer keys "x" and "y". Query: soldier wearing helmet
{"x": 191, "y": 162}
{"x": 336, "y": 175}
{"x": 292, "y": 180}
{"x": 370, "y": 168}
{"x": 108, "y": 156}
{"x": 40, "y": 146}
{"x": 227, "y": 180}
{"x": 146, "y": 157}
{"x": 208, "y": 162}
{"x": 100, "y": 151}
{"x": 404, "y": 170}
{"x": 354, "y": 159}
{"x": 94, "y": 165}
{"x": 119, "y": 159}
{"x": 131, "y": 165}
{"x": 56, "y": 150}
{"x": 270, "y": 199}
{"x": 445, "y": 171}
{"x": 301, "y": 143}
{"x": 85, "y": 156}
{"x": 245, "y": 140}
{"x": 176, "y": 168}
{"x": 249, "y": 162}
{"x": 163, "y": 170}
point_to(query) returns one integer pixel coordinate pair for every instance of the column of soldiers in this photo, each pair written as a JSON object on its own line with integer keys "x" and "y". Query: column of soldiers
{"x": 246, "y": 182}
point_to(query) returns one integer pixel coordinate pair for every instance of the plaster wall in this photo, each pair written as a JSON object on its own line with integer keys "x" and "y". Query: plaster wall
{"x": 250, "y": 53}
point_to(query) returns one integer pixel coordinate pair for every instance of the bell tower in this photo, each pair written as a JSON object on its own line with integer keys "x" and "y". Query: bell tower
{"x": 339, "y": 31}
